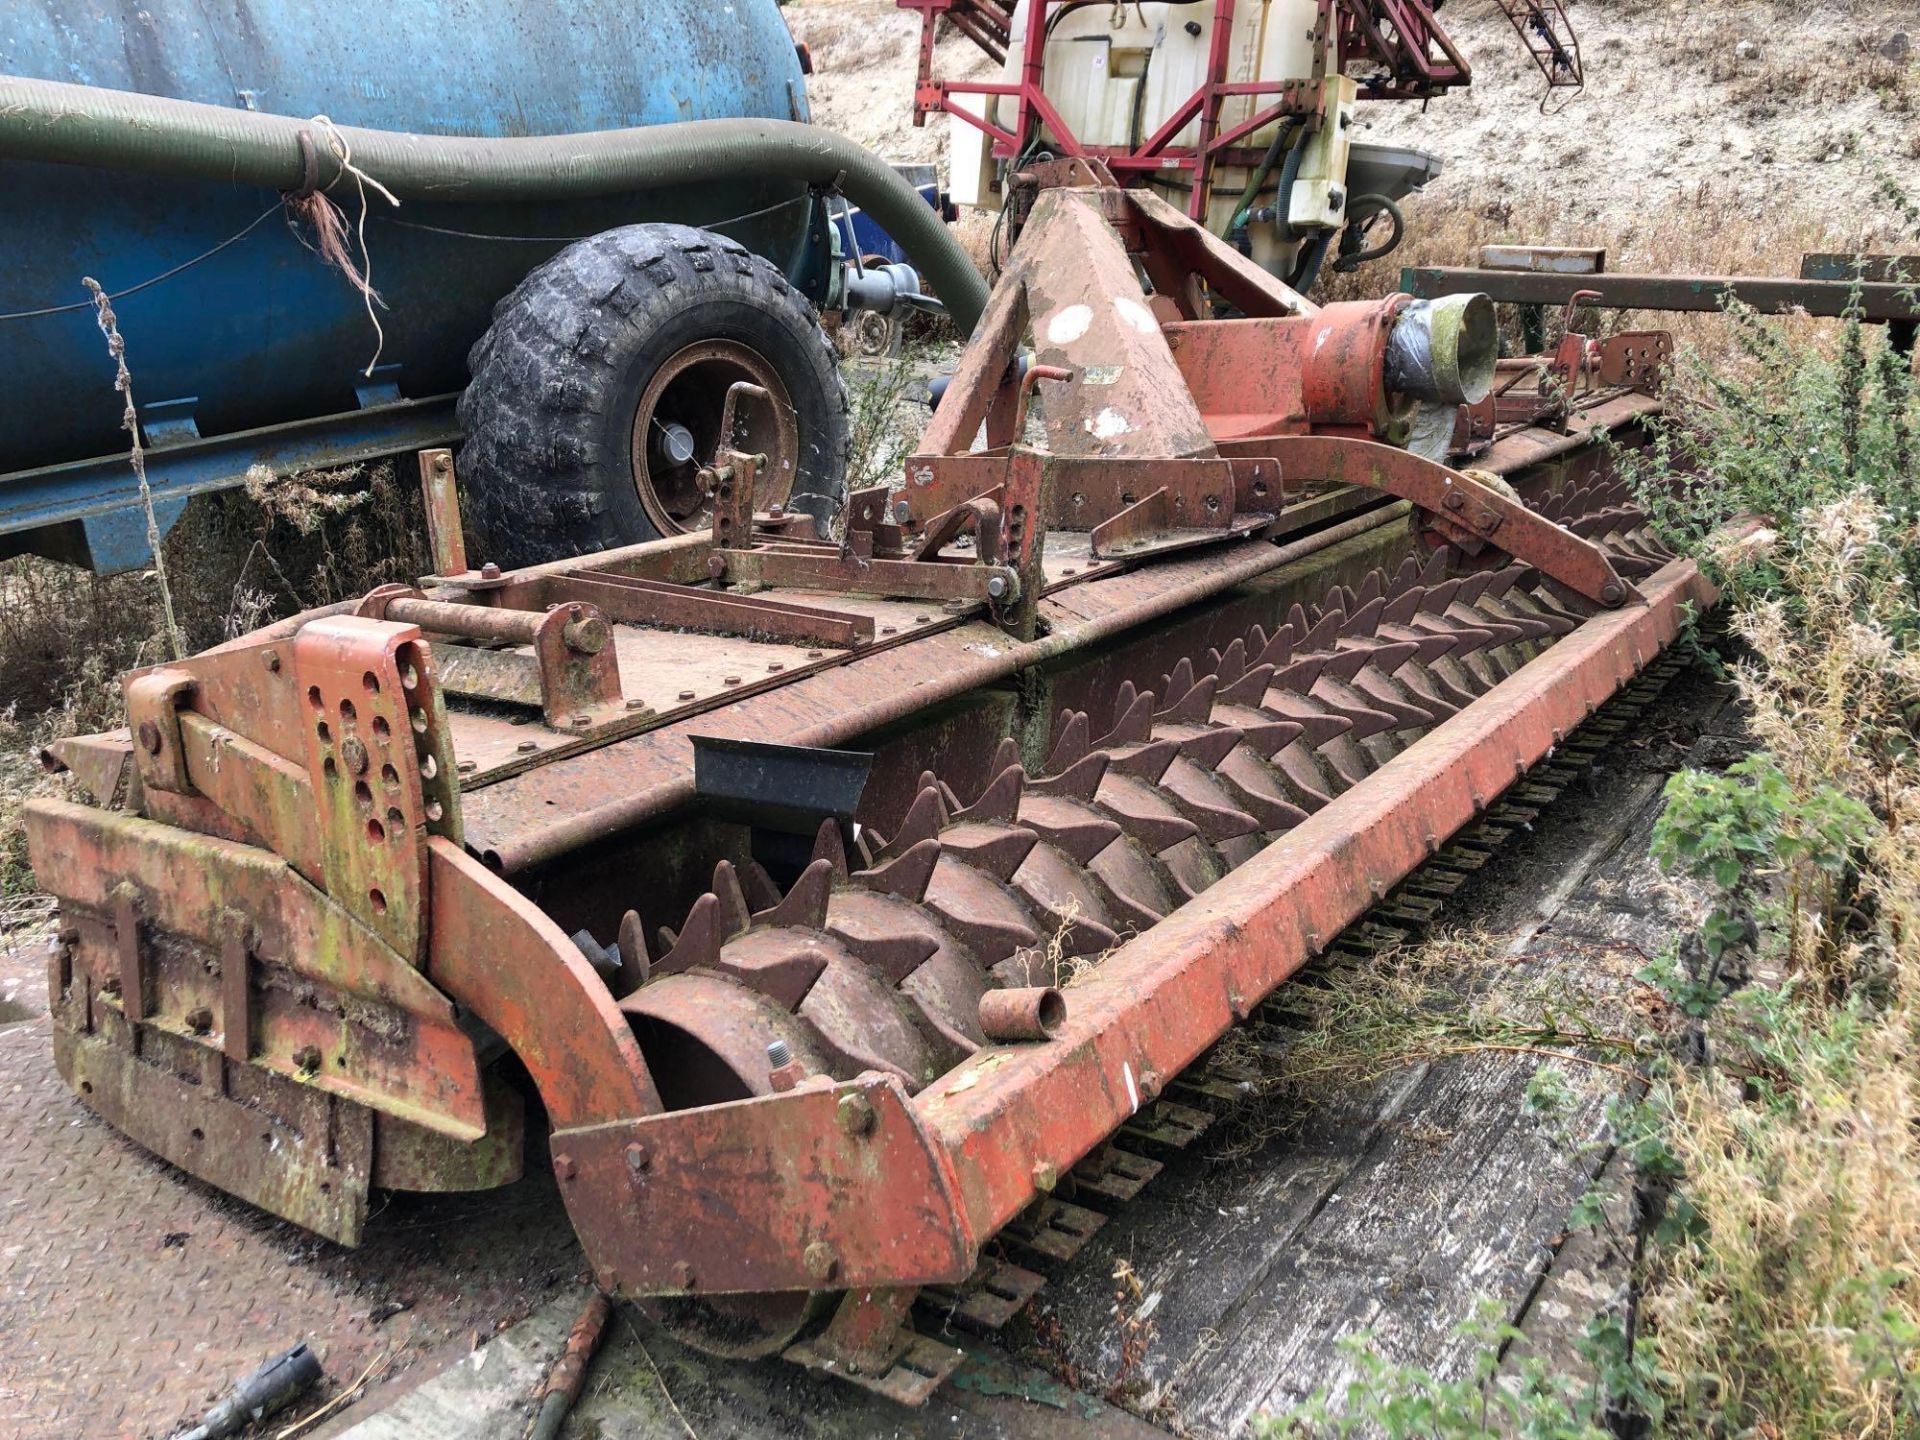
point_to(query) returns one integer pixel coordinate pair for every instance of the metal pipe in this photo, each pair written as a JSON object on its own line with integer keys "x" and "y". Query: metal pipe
{"x": 1033, "y": 1012}
{"x": 469, "y": 622}
{"x": 49, "y": 120}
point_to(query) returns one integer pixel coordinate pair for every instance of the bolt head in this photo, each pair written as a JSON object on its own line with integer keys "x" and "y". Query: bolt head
{"x": 563, "y": 1167}
{"x": 686, "y": 694}
{"x": 682, "y": 1275}
{"x": 997, "y": 587}
{"x": 1045, "y": 1177}
{"x": 272, "y": 659}
{"x": 526, "y": 747}
{"x": 307, "y": 1058}
{"x": 733, "y": 679}
{"x": 149, "y": 737}
{"x": 581, "y": 722}
{"x": 489, "y": 571}
{"x": 856, "y": 1115}
{"x": 200, "y": 1020}
{"x": 637, "y": 1157}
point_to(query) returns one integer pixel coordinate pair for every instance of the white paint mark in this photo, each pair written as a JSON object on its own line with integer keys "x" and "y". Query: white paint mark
{"x": 1133, "y": 1090}
{"x": 1132, "y": 312}
{"x": 1107, "y": 424}
{"x": 1070, "y": 324}
{"x": 1320, "y": 338}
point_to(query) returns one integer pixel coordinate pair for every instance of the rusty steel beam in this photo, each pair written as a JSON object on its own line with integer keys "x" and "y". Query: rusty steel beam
{"x": 1770, "y": 295}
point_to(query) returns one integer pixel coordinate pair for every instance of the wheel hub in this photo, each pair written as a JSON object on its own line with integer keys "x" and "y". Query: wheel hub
{"x": 676, "y": 432}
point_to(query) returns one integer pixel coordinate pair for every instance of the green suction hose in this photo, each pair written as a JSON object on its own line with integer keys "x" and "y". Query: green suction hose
{"x": 48, "y": 120}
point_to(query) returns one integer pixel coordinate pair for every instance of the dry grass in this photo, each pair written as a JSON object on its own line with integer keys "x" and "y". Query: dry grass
{"x": 1792, "y": 1309}
{"x": 235, "y": 559}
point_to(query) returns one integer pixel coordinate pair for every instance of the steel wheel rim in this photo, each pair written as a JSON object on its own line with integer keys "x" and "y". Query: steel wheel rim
{"x": 689, "y": 391}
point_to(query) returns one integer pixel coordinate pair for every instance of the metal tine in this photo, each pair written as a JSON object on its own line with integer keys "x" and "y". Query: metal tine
{"x": 1074, "y": 741}
{"x": 1000, "y": 799}
{"x": 906, "y": 875}
{"x": 805, "y": 905}
{"x": 997, "y": 1291}
{"x": 1052, "y": 1232}
{"x": 696, "y": 943}
{"x": 829, "y": 845}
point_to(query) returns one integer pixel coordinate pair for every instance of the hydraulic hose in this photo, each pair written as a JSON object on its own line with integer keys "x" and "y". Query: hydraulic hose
{"x": 49, "y": 120}
{"x": 1281, "y": 136}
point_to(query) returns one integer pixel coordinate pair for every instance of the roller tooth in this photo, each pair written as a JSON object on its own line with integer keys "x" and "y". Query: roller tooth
{"x": 995, "y": 847}
{"x": 1248, "y": 688}
{"x": 1205, "y": 745}
{"x": 1425, "y": 689}
{"x": 1466, "y": 638}
{"x": 1000, "y": 800}
{"x": 733, "y": 915}
{"x": 882, "y": 931}
{"x": 1079, "y": 780}
{"x": 1435, "y": 599}
{"x": 1200, "y": 797}
{"x": 1472, "y": 587}
{"x": 1278, "y": 650}
{"x": 1388, "y": 656}
{"x": 981, "y": 911}
{"x": 1299, "y": 676}
{"x": 1378, "y": 691}
{"x": 635, "y": 966}
{"x": 1196, "y": 699}
{"x": 1139, "y": 892}
{"x": 783, "y": 965}
{"x": 828, "y": 845}
{"x": 1364, "y": 619}
{"x": 1299, "y": 624}
{"x": 1005, "y": 756}
{"x": 1404, "y": 605}
{"x": 1318, "y": 723}
{"x": 1148, "y": 761}
{"x": 1325, "y": 633}
{"x": 1256, "y": 793}
{"x": 806, "y": 903}
{"x": 906, "y": 875}
{"x": 1263, "y": 736}
{"x": 1132, "y": 718}
{"x": 1303, "y": 774}
{"x": 1503, "y": 632}
{"x": 1144, "y": 814}
{"x": 1230, "y": 664}
{"x": 1074, "y": 742}
{"x": 1069, "y": 823}
{"x": 698, "y": 940}
{"x": 1429, "y": 645}
{"x": 1343, "y": 664}
{"x": 1181, "y": 680}
{"x": 1437, "y": 566}
{"x": 1367, "y": 721}
{"x": 926, "y": 817}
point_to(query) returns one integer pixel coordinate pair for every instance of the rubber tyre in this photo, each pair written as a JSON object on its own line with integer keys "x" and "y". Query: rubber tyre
{"x": 548, "y": 467}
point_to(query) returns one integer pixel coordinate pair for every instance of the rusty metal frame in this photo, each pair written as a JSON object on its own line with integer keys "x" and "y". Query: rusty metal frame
{"x": 780, "y": 1192}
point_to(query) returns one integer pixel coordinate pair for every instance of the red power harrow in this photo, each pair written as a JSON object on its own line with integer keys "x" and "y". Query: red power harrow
{"x": 1155, "y": 710}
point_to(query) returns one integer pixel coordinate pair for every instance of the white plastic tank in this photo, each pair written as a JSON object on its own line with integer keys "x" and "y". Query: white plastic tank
{"x": 1116, "y": 72}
